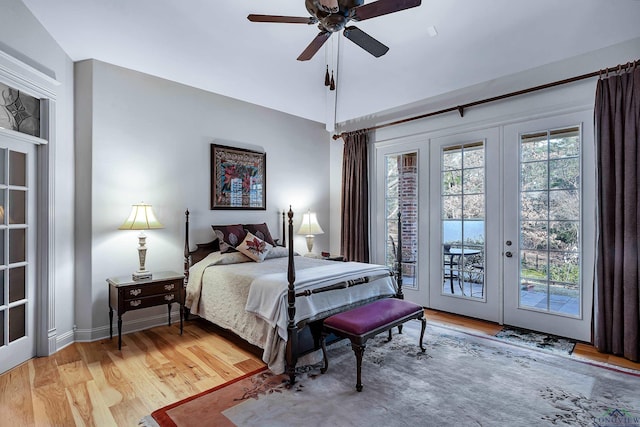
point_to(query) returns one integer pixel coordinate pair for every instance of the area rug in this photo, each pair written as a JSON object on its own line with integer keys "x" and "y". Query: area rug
{"x": 461, "y": 380}
{"x": 546, "y": 342}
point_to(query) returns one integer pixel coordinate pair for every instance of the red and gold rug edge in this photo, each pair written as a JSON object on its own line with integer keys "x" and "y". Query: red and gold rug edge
{"x": 161, "y": 417}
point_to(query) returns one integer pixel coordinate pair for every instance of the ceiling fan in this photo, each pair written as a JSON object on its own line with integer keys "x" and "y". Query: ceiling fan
{"x": 333, "y": 16}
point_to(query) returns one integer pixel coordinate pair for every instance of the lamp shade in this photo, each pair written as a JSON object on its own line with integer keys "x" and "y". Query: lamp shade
{"x": 310, "y": 225}
{"x": 141, "y": 218}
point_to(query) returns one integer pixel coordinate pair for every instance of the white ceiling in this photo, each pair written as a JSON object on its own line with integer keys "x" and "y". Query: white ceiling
{"x": 210, "y": 44}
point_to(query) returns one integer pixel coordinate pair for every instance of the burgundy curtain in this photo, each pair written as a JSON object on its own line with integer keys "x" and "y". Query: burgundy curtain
{"x": 617, "y": 122}
{"x": 355, "y": 198}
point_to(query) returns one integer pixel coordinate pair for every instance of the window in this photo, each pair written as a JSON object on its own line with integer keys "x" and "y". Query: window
{"x": 550, "y": 221}
{"x": 401, "y": 195}
{"x": 462, "y": 218}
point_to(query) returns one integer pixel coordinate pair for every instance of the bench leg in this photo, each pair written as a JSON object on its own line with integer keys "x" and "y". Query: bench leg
{"x": 325, "y": 359}
{"x": 359, "y": 351}
{"x": 424, "y": 325}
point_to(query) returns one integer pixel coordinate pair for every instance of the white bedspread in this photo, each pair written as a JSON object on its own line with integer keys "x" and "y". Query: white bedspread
{"x": 219, "y": 287}
{"x": 268, "y": 293}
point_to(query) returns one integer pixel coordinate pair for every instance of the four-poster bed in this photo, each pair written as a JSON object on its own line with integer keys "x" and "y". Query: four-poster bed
{"x": 278, "y": 305}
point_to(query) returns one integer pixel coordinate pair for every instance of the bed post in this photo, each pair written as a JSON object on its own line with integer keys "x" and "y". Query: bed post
{"x": 284, "y": 233}
{"x": 399, "y": 257}
{"x": 292, "y": 331}
{"x": 187, "y": 263}
{"x": 186, "y": 246}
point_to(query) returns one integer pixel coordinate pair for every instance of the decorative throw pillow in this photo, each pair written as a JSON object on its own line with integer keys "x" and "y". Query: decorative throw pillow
{"x": 254, "y": 247}
{"x": 229, "y": 236}
{"x": 261, "y": 231}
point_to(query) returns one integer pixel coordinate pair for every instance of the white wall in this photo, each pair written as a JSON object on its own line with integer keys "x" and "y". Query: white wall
{"x": 141, "y": 138}
{"x": 22, "y": 37}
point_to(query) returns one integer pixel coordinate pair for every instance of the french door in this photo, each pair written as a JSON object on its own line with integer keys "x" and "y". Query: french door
{"x": 499, "y": 222}
{"x": 512, "y": 224}
{"x": 465, "y": 224}
{"x": 17, "y": 251}
{"x": 549, "y": 227}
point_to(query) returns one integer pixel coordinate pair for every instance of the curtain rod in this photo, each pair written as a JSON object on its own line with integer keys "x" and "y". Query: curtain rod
{"x": 460, "y": 108}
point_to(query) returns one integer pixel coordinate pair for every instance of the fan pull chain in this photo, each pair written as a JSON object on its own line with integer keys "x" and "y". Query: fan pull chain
{"x": 326, "y": 77}
{"x": 332, "y": 85}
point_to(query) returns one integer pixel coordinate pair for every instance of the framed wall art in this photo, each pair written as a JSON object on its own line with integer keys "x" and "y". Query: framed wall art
{"x": 238, "y": 178}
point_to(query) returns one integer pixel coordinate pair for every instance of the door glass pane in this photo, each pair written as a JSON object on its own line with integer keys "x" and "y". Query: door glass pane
{"x": 17, "y": 168}
{"x": 3, "y": 168}
{"x": 2, "y": 302}
{"x": 2, "y": 206}
{"x": 17, "y": 322}
{"x": 463, "y": 220}
{"x": 550, "y": 221}
{"x": 17, "y": 207}
{"x": 2, "y": 315}
{"x": 17, "y": 245}
{"x": 17, "y": 284}
{"x": 401, "y": 195}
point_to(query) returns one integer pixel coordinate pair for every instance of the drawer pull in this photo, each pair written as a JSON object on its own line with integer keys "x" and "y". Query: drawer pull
{"x": 135, "y": 303}
{"x": 170, "y": 297}
{"x": 135, "y": 292}
{"x": 169, "y": 287}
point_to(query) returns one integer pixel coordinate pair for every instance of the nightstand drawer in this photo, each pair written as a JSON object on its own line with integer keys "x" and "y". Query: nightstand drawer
{"x": 152, "y": 301}
{"x": 137, "y": 292}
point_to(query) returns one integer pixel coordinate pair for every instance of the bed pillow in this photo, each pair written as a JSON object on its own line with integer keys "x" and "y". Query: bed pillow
{"x": 254, "y": 247}
{"x": 261, "y": 231}
{"x": 279, "y": 252}
{"x": 229, "y": 236}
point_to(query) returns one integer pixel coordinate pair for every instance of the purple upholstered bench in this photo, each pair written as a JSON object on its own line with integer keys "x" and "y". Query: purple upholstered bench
{"x": 364, "y": 322}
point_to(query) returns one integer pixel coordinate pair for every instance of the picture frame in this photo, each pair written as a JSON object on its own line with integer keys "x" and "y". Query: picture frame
{"x": 238, "y": 178}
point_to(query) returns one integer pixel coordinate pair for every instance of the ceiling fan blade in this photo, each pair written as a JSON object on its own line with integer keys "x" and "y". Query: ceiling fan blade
{"x": 365, "y": 41}
{"x": 314, "y": 46}
{"x": 382, "y": 7}
{"x": 286, "y": 19}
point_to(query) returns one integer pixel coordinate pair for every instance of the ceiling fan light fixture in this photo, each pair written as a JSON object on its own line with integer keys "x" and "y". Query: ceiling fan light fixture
{"x": 334, "y": 15}
{"x": 329, "y": 6}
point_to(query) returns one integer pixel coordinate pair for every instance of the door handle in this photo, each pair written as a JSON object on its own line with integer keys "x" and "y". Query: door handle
{"x": 508, "y": 254}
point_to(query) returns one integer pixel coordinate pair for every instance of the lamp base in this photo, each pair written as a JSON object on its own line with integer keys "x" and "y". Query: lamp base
{"x": 141, "y": 275}
{"x": 309, "y": 238}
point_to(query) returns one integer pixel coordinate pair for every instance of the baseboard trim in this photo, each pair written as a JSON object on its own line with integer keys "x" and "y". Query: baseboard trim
{"x": 61, "y": 341}
{"x": 134, "y": 325}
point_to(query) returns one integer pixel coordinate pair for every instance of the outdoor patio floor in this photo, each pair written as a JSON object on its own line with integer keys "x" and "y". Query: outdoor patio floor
{"x": 558, "y": 303}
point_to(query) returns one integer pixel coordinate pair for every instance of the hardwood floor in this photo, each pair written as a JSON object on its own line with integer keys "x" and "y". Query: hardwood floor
{"x": 95, "y": 384}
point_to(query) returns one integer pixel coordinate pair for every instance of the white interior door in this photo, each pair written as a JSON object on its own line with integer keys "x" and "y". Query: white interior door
{"x": 549, "y": 230}
{"x": 465, "y": 224}
{"x": 17, "y": 252}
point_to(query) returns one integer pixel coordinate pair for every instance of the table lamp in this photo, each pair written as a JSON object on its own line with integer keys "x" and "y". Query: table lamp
{"x": 141, "y": 218}
{"x": 309, "y": 228}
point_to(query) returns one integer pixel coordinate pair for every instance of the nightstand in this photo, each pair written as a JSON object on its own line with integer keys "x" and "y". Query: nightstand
{"x": 329, "y": 257}
{"x": 126, "y": 294}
